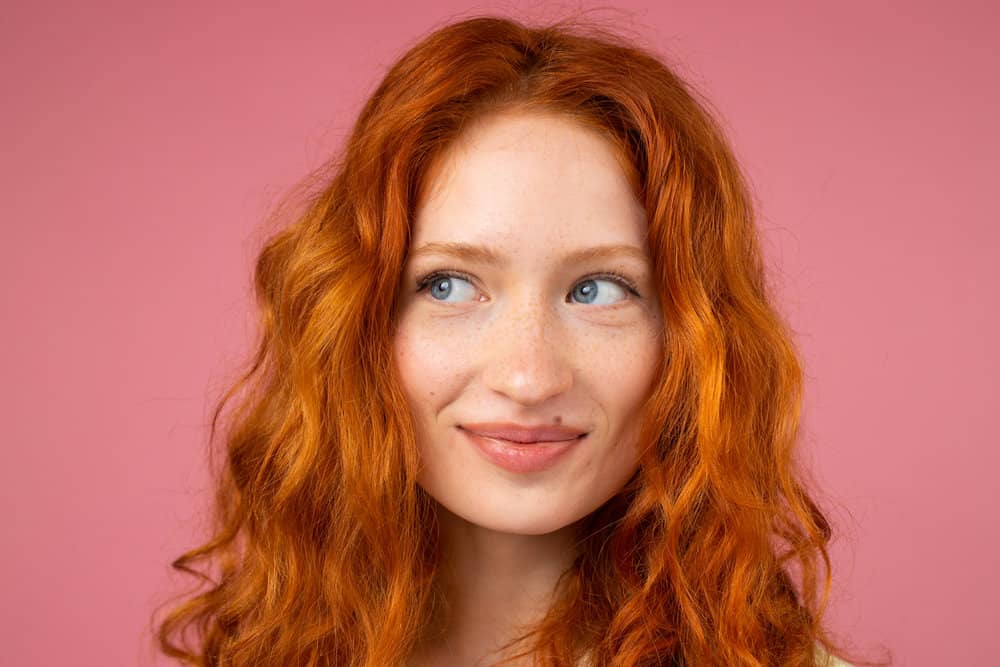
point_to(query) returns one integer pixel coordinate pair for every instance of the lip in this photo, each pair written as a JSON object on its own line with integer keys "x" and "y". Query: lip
{"x": 518, "y": 457}
{"x": 519, "y": 433}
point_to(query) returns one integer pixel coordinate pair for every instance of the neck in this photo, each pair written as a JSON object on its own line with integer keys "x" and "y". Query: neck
{"x": 496, "y": 585}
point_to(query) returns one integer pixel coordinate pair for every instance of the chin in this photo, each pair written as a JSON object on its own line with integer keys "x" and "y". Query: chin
{"x": 515, "y": 523}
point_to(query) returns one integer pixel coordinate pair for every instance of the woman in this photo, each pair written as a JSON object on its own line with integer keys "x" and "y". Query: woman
{"x": 521, "y": 393}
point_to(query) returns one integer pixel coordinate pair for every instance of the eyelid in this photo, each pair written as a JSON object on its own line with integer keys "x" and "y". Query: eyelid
{"x": 424, "y": 281}
{"x": 623, "y": 281}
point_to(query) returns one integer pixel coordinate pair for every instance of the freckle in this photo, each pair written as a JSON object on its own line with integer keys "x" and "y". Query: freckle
{"x": 558, "y": 419}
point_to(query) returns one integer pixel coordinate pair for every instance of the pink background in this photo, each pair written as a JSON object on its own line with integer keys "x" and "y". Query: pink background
{"x": 142, "y": 148}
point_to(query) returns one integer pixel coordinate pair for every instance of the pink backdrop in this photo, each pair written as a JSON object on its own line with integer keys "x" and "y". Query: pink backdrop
{"x": 142, "y": 148}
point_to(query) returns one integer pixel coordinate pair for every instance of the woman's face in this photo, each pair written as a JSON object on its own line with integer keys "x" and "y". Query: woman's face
{"x": 527, "y": 317}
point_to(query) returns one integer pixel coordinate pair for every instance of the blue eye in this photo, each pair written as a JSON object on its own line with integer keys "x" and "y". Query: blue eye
{"x": 602, "y": 290}
{"x": 443, "y": 285}
{"x": 588, "y": 292}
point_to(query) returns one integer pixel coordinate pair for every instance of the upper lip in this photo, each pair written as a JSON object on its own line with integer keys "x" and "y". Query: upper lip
{"x": 524, "y": 434}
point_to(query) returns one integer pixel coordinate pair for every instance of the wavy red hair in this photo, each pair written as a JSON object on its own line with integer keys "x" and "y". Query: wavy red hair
{"x": 324, "y": 549}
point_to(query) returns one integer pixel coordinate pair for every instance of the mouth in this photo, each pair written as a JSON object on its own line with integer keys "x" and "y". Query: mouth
{"x": 518, "y": 434}
{"x": 521, "y": 457}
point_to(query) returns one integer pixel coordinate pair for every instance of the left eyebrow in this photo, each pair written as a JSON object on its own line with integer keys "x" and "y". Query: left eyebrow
{"x": 478, "y": 254}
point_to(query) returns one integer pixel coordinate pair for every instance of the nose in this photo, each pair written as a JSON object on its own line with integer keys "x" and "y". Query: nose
{"x": 526, "y": 356}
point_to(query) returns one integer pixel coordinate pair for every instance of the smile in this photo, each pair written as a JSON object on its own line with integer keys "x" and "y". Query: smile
{"x": 522, "y": 457}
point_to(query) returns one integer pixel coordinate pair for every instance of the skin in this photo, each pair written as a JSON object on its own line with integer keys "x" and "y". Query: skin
{"x": 520, "y": 342}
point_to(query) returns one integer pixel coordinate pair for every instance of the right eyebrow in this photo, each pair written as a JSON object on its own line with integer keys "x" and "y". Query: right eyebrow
{"x": 471, "y": 253}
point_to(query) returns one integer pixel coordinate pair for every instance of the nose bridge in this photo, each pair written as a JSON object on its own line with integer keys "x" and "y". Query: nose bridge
{"x": 527, "y": 346}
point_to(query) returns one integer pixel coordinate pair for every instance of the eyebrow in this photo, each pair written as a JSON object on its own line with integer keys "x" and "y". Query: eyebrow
{"x": 478, "y": 254}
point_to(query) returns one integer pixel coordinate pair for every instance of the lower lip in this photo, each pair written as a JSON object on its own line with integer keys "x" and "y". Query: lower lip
{"x": 522, "y": 458}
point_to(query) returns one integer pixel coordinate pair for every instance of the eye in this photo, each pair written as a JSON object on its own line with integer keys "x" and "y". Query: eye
{"x": 606, "y": 289}
{"x": 442, "y": 285}
{"x": 602, "y": 290}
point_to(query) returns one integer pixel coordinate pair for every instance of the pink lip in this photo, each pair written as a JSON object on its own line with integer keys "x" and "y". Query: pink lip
{"x": 524, "y": 434}
{"x": 519, "y": 457}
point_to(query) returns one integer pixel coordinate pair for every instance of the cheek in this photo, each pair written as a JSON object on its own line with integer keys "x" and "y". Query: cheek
{"x": 624, "y": 370}
{"x": 427, "y": 366}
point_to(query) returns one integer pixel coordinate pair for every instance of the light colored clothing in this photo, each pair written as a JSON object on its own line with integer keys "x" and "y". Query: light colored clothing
{"x": 824, "y": 659}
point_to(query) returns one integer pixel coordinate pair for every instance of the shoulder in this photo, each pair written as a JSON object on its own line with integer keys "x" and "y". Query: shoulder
{"x": 824, "y": 659}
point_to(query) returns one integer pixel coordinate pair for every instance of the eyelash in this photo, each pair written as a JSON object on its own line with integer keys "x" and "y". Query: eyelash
{"x": 622, "y": 281}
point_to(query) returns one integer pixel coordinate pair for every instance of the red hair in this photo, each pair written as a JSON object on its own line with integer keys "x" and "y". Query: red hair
{"x": 324, "y": 546}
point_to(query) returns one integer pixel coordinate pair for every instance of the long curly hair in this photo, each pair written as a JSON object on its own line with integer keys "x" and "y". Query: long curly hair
{"x": 324, "y": 550}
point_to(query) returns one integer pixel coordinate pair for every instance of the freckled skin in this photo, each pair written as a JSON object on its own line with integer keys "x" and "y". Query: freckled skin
{"x": 515, "y": 342}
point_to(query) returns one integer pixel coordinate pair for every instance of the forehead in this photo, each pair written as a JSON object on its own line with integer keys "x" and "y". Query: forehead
{"x": 541, "y": 177}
